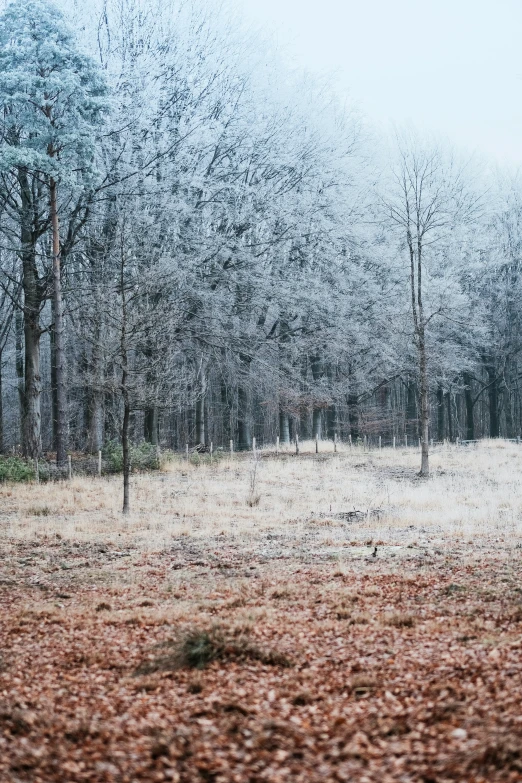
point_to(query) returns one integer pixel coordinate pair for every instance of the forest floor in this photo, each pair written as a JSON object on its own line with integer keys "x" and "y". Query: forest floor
{"x": 378, "y": 646}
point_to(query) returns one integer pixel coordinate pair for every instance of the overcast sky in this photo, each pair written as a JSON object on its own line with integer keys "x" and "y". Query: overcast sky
{"x": 451, "y": 66}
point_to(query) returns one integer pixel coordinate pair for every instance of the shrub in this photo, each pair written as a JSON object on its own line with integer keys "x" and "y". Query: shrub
{"x": 196, "y": 648}
{"x": 16, "y": 469}
{"x": 142, "y": 457}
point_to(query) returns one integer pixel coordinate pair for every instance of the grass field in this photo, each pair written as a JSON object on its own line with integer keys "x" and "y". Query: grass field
{"x": 326, "y": 617}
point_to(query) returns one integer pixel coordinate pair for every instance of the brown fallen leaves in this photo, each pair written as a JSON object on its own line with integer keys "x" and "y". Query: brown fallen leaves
{"x": 395, "y": 676}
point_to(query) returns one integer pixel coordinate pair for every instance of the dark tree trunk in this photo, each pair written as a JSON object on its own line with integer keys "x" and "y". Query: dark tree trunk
{"x": 95, "y": 397}
{"x": 424, "y": 405}
{"x": 412, "y": 422}
{"x": 150, "y": 425}
{"x": 59, "y": 345}
{"x": 33, "y": 297}
{"x": 54, "y": 393}
{"x": 19, "y": 362}
{"x": 1, "y": 410}
{"x": 450, "y": 417}
{"x": 468, "y": 399}
{"x": 494, "y": 428}
{"x": 125, "y": 447}
{"x": 244, "y": 420}
{"x": 353, "y": 415}
{"x": 317, "y": 411}
{"x": 284, "y": 427}
{"x": 440, "y": 414}
{"x": 331, "y": 421}
{"x": 317, "y": 423}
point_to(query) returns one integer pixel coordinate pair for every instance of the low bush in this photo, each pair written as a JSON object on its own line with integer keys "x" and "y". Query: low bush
{"x": 142, "y": 457}
{"x": 16, "y": 469}
{"x": 196, "y": 648}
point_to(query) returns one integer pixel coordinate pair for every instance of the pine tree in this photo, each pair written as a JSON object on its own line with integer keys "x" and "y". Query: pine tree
{"x": 53, "y": 98}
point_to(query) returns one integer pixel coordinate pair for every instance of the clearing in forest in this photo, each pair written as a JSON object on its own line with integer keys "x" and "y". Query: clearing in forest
{"x": 329, "y": 618}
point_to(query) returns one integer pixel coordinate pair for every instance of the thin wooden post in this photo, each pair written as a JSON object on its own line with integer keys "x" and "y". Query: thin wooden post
{"x": 350, "y": 440}
{"x": 394, "y": 441}
{"x": 254, "y": 446}
{"x": 69, "y": 463}
{"x": 365, "y": 442}
{"x": 211, "y": 451}
{"x": 380, "y": 442}
{"x": 277, "y": 445}
{"x": 231, "y": 447}
{"x": 317, "y": 444}
{"x": 335, "y": 442}
{"x": 186, "y": 451}
{"x": 99, "y": 463}
{"x": 36, "y": 471}
{"x": 406, "y": 440}
{"x": 296, "y": 443}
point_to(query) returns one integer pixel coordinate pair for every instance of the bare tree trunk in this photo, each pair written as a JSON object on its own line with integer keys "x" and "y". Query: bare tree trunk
{"x": 412, "y": 419}
{"x": 54, "y": 395}
{"x": 353, "y": 415}
{"x": 284, "y": 427}
{"x": 425, "y": 406}
{"x": 450, "y": 417}
{"x": 125, "y": 444}
{"x": 317, "y": 423}
{"x": 468, "y": 399}
{"x": 125, "y": 392}
{"x": 95, "y": 402}
{"x": 59, "y": 347}
{"x": 1, "y": 410}
{"x": 19, "y": 366}
{"x": 31, "y": 422}
{"x": 150, "y": 425}
{"x": 317, "y": 372}
{"x": 494, "y": 429}
{"x": 440, "y": 414}
{"x": 244, "y": 421}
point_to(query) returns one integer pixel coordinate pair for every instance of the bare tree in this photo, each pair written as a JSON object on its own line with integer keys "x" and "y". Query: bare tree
{"x": 430, "y": 196}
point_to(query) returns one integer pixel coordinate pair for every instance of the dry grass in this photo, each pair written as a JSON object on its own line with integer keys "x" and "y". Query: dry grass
{"x": 472, "y": 490}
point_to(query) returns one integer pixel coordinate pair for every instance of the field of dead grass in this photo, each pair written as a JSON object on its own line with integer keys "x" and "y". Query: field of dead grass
{"x": 351, "y": 622}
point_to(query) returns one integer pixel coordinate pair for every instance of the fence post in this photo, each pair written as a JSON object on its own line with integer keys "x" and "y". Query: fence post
{"x": 350, "y": 439}
{"x": 99, "y": 463}
{"x": 186, "y": 451}
{"x": 335, "y": 442}
{"x": 277, "y": 445}
{"x": 36, "y": 471}
{"x": 420, "y": 444}
{"x": 296, "y": 443}
{"x": 406, "y": 440}
{"x": 69, "y": 465}
{"x": 380, "y": 442}
{"x": 394, "y": 441}
{"x": 365, "y": 443}
{"x": 254, "y": 446}
{"x": 211, "y": 450}
{"x": 231, "y": 447}
{"x": 317, "y": 444}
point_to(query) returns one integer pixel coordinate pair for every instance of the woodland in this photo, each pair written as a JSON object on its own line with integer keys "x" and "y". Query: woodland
{"x": 217, "y": 277}
{"x": 200, "y": 243}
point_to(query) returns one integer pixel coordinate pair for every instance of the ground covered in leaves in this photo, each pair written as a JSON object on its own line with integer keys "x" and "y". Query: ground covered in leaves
{"x": 322, "y": 673}
{"x": 316, "y": 651}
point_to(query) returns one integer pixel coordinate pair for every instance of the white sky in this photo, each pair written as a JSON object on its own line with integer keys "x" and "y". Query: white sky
{"x": 450, "y": 66}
